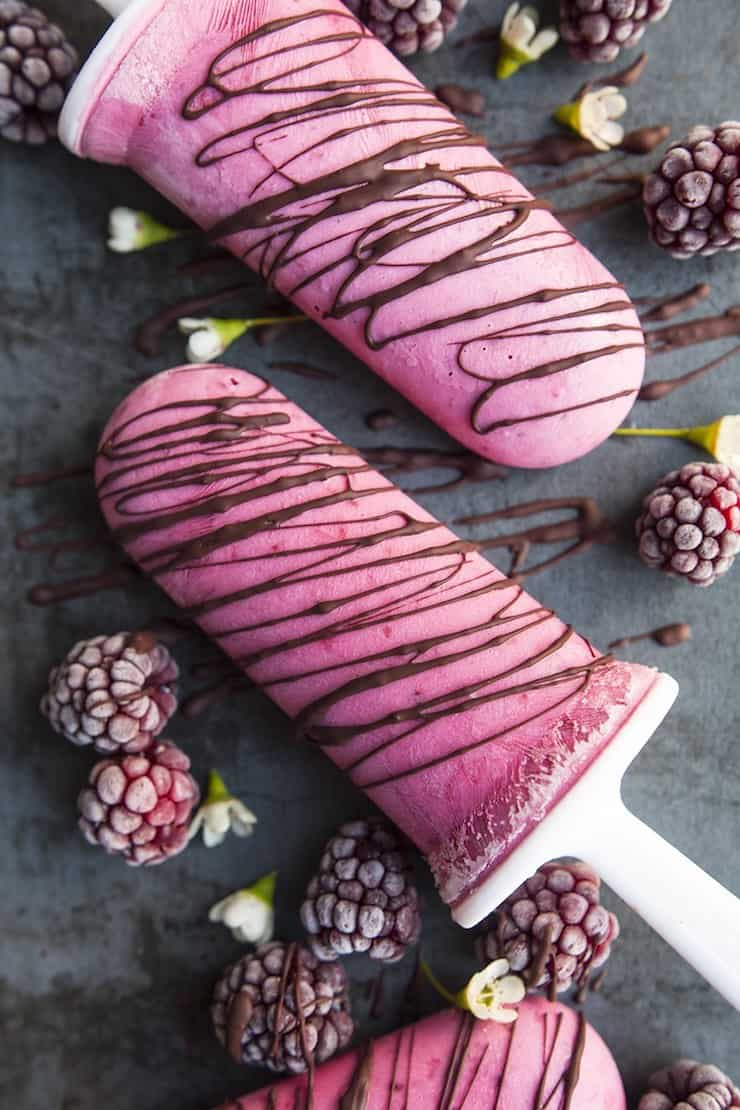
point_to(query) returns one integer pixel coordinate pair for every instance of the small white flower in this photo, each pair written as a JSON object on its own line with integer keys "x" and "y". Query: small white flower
{"x": 520, "y": 41}
{"x": 220, "y": 813}
{"x": 726, "y": 447}
{"x": 593, "y": 116}
{"x": 249, "y": 913}
{"x": 492, "y": 992}
{"x": 211, "y": 336}
{"x": 129, "y": 230}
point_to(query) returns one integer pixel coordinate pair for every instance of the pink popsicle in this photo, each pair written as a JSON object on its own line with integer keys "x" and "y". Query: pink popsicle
{"x": 461, "y": 706}
{"x": 550, "y": 1057}
{"x": 294, "y": 136}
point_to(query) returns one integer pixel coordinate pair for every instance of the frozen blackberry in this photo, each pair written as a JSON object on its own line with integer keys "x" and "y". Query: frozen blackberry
{"x": 596, "y": 30}
{"x": 692, "y": 200}
{"x": 139, "y": 807}
{"x": 115, "y": 692}
{"x": 363, "y": 898}
{"x": 37, "y": 67}
{"x": 690, "y": 523}
{"x": 281, "y": 1008}
{"x": 688, "y": 1085}
{"x": 553, "y": 928}
{"x": 409, "y": 26}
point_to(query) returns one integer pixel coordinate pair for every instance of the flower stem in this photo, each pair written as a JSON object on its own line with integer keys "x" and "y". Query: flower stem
{"x": 434, "y": 981}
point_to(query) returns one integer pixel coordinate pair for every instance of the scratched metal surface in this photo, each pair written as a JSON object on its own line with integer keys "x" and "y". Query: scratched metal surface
{"x": 105, "y": 971}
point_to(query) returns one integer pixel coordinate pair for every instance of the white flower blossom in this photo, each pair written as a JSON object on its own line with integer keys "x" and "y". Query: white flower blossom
{"x": 521, "y": 41}
{"x": 249, "y": 913}
{"x": 720, "y": 439}
{"x": 492, "y": 992}
{"x": 220, "y": 813}
{"x": 129, "y": 230}
{"x": 211, "y": 336}
{"x": 594, "y": 116}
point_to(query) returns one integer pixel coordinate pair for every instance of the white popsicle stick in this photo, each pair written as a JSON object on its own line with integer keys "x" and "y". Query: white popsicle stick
{"x": 690, "y": 910}
{"x": 114, "y": 7}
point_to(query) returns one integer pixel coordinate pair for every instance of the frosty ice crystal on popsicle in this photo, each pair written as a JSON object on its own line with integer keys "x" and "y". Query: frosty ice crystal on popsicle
{"x": 550, "y": 1056}
{"x": 292, "y": 135}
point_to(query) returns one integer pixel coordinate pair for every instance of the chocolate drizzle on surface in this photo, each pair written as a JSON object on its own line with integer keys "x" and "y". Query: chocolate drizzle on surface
{"x": 677, "y": 304}
{"x": 232, "y": 481}
{"x": 657, "y": 390}
{"x": 668, "y": 635}
{"x": 358, "y": 1093}
{"x": 584, "y": 524}
{"x": 391, "y": 213}
{"x": 468, "y": 468}
{"x": 46, "y": 477}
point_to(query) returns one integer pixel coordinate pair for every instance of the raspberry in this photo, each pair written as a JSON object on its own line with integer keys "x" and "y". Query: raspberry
{"x": 363, "y": 898}
{"x": 596, "y": 30}
{"x": 281, "y": 1008}
{"x": 560, "y": 905}
{"x": 690, "y": 523}
{"x": 139, "y": 806}
{"x": 688, "y": 1085}
{"x": 692, "y": 200}
{"x": 409, "y": 26}
{"x": 114, "y": 692}
{"x": 37, "y": 67}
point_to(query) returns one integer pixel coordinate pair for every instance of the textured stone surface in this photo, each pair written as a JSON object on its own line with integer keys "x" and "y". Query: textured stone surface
{"x": 107, "y": 973}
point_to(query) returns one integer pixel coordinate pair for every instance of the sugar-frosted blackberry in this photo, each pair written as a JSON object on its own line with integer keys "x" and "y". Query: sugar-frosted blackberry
{"x": 690, "y": 523}
{"x": 279, "y": 1008}
{"x": 37, "y": 67}
{"x": 692, "y": 200}
{"x": 409, "y": 26}
{"x": 689, "y": 1085}
{"x": 596, "y": 30}
{"x": 554, "y": 927}
{"x": 363, "y": 898}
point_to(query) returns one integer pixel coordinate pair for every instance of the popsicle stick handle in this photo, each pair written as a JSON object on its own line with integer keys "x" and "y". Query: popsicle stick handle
{"x": 690, "y": 910}
{"x": 114, "y": 7}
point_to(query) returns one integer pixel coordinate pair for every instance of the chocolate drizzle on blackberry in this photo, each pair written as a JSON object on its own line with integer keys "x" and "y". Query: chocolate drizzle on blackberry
{"x": 276, "y": 228}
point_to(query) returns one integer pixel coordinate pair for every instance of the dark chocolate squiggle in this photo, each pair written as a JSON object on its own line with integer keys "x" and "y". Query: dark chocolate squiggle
{"x": 391, "y": 213}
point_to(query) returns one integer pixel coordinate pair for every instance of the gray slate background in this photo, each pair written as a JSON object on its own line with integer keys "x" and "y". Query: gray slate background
{"x": 106, "y": 971}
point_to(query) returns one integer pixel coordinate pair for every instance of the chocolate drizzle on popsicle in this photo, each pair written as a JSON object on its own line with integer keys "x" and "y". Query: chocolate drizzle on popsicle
{"x": 240, "y": 469}
{"x": 400, "y": 220}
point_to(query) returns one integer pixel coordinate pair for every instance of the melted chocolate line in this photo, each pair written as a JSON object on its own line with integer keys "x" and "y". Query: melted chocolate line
{"x": 656, "y": 391}
{"x": 706, "y": 329}
{"x": 538, "y": 1104}
{"x": 668, "y": 635}
{"x": 357, "y": 1095}
{"x": 199, "y": 702}
{"x": 279, "y": 224}
{"x": 677, "y": 304}
{"x": 239, "y": 1016}
{"x": 280, "y": 1004}
{"x": 403, "y": 460}
{"x": 85, "y": 586}
{"x": 571, "y": 1075}
{"x": 571, "y": 217}
{"x": 623, "y": 78}
{"x": 474, "y": 1077}
{"x": 504, "y": 1071}
{"x": 457, "y": 1060}
{"x": 307, "y": 1052}
{"x": 302, "y": 370}
{"x": 47, "y": 477}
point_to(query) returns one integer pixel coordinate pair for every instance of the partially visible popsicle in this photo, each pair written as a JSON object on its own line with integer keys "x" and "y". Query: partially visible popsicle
{"x": 488, "y": 730}
{"x": 549, "y": 1057}
{"x": 290, "y": 133}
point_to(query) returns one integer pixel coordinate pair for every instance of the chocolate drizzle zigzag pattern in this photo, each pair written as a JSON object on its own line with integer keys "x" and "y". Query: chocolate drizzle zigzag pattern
{"x": 425, "y": 206}
{"x": 379, "y": 594}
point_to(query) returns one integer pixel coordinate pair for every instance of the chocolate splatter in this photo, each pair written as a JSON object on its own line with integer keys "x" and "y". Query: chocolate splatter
{"x": 47, "y": 477}
{"x": 469, "y": 468}
{"x": 471, "y": 102}
{"x": 623, "y": 78}
{"x": 85, "y": 586}
{"x": 668, "y": 635}
{"x": 677, "y": 303}
{"x": 571, "y": 217}
{"x": 643, "y": 140}
{"x": 302, "y": 370}
{"x": 705, "y": 329}
{"x": 656, "y": 391}
{"x": 380, "y": 419}
{"x": 586, "y": 527}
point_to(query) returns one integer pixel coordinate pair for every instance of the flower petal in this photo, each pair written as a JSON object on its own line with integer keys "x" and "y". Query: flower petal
{"x": 543, "y": 42}
{"x": 510, "y": 989}
{"x": 509, "y": 17}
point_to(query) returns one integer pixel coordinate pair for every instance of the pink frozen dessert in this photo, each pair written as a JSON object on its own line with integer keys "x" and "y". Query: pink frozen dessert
{"x": 293, "y": 136}
{"x": 463, "y": 708}
{"x": 549, "y": 1057}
